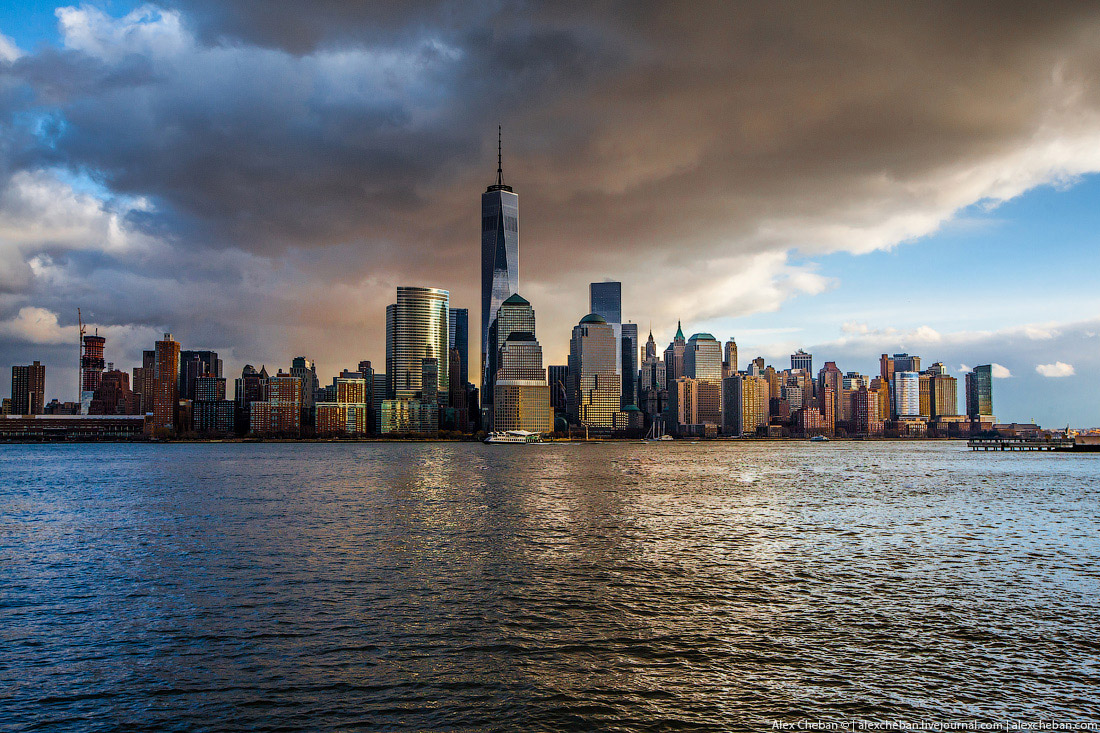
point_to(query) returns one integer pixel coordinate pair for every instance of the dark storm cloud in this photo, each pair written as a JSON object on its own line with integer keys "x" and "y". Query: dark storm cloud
{"x": 302, "y": 158}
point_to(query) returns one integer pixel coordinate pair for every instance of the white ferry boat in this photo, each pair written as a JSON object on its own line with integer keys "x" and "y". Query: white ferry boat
{"x": 514, "y": 436}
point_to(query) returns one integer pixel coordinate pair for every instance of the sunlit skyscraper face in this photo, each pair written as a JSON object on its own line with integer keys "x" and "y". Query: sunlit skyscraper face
{"x": 416, "y": 330}
{"x": 499, "y": 256}
{"x": 606, "y": 299}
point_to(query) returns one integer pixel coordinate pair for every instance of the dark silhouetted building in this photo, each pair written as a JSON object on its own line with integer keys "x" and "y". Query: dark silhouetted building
{"x": 28, "y": 389}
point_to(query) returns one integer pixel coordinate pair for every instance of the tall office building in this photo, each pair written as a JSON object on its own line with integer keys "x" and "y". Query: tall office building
{"x": 558, "y": 377}
{"x": 515, "y": 315}
{"x": 650, "y": 347}
{"x": 28, "y": 389}
{"x": 865, "y": 417}
{"x": 144, "y": 380}
{"x": 249, "y": 388}
{"x": 703, "y": 358}
{"x": 830, "y": 381}
{"x": 113, "y": 396}
{"x": 594, "y": 386}
{"x": 281, "y": 412}
{"x": 979, "y": 392}
{"x": 166, "y": 376}
{"x": 729, "y": 358}
{"x": 944, "y": 395}
{"x": 695, "y": 405}
{"x": 652, "y": 388}
{"x": 195, "y": 364}
{"x": 458, "y": 334}
{"x": 211, "y": 412}
{"x": 457, "y": 411}
{"x": 629, "y": 360}
{"x": 906, "y": 363}
{"x": 91, "y": 369}
{"x": 521, "y": 399}
{"x": 801, "y": 360}
{"x": 674, "y": 356}
{"x": 926, "y": 398}
{"x": 416, "y": 329}
{"x": 499, "y": 257}
{"x": 417, "y": 363}
{"x": 606, "y": 299}
{"x": 306, "y": 370}
{"x": 744, "y": 404}
{"x": 906, "y": 394}
{"x": 347, "y": 412}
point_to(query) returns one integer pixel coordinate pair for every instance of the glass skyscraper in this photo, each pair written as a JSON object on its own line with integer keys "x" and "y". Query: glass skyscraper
{"x": 514, "y": 315}
{"x": 594, "y": 387}
{"x": 499, "y": 258}
{"x": 606, "y": 299}
{"x": 629, "y": 344}
{"x": 416, "y": 329}
{"x": 979, "y": 392}
{"x": 703, "y": 358}
{"x": 459, "y": 338}
{"x": 521, "y": 397}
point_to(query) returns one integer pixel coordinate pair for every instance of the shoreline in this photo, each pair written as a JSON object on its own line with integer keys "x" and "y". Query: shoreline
{"x": 184, "y": 441}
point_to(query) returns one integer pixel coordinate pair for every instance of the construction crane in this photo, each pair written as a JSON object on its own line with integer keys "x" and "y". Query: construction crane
{"x": 80, "y": 358}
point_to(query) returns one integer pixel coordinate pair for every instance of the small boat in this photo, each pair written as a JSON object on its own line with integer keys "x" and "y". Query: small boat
{"x": 520, "y": 437}
{"x": 657, "y": 433}
{"x": 819, "y": 439}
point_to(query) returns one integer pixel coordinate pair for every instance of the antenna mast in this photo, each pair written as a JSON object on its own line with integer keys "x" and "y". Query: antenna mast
{"x": 500, "y": 170}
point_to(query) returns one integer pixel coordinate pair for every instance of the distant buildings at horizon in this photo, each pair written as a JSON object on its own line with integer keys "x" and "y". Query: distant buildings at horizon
{"x": 610, "y": 382}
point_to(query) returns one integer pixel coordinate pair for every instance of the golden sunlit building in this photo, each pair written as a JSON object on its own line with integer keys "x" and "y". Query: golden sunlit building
{"x": 594, "y": 385}
{"x": 521, "y": 395}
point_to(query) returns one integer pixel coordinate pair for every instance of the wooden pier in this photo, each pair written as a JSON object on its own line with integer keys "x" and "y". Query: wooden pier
{"x": 1020, "y": 444}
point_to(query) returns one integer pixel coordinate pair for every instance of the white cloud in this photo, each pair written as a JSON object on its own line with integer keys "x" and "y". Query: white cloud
{"x": 1001, "y": 372}
{"x": 40, "y": 213}
{"x": 38, "y": 326}
{"x": 147, "y": 31}
{"x": 9, "y": 52}
{"x": 1057, "y": 369}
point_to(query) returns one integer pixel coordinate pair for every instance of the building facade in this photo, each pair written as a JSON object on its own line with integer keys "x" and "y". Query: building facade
{"x": 28, "y": 389}
{"x": 458, "y": 337}
{"x": 801, "y": 360}
{"x": 979, "y": 392}
{"x": 629, "y": 361}
{"x": 595, "y": 386}
{"x": 499, "y": 258}
{"x": 281, "y": 412}
{"x": 166, "y": 383}
{"x": 521, "y": 399}
{"x": 906, "y": 390}
{"x": 703, "y": 358}
{"x": 515, "y": 315}
{"x": 416, "y": 329}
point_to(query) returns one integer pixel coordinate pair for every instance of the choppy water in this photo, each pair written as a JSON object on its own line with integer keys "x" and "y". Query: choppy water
{"x": 563, "y": 587}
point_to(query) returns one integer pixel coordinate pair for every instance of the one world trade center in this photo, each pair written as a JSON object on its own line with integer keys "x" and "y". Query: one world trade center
{"x": 499, "y": 259}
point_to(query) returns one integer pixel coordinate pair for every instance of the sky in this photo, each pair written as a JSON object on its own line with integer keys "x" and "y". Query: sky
{"x": 848, "y": 178}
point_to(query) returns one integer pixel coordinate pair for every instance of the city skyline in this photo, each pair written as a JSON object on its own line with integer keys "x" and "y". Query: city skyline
{"x": 978, "y": 252}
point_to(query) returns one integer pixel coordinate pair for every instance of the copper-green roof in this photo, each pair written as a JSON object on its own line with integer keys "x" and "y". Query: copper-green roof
{"x": 702, "y": 337}
{"x": 517, "y": 299}
{"x": 593, "y": 318}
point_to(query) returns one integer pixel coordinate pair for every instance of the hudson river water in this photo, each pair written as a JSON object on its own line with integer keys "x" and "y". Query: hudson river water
{"x": 624, "y": 587}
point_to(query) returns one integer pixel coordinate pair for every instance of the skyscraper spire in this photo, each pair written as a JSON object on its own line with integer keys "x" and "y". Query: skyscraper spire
{"x": 500, "y": 170}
